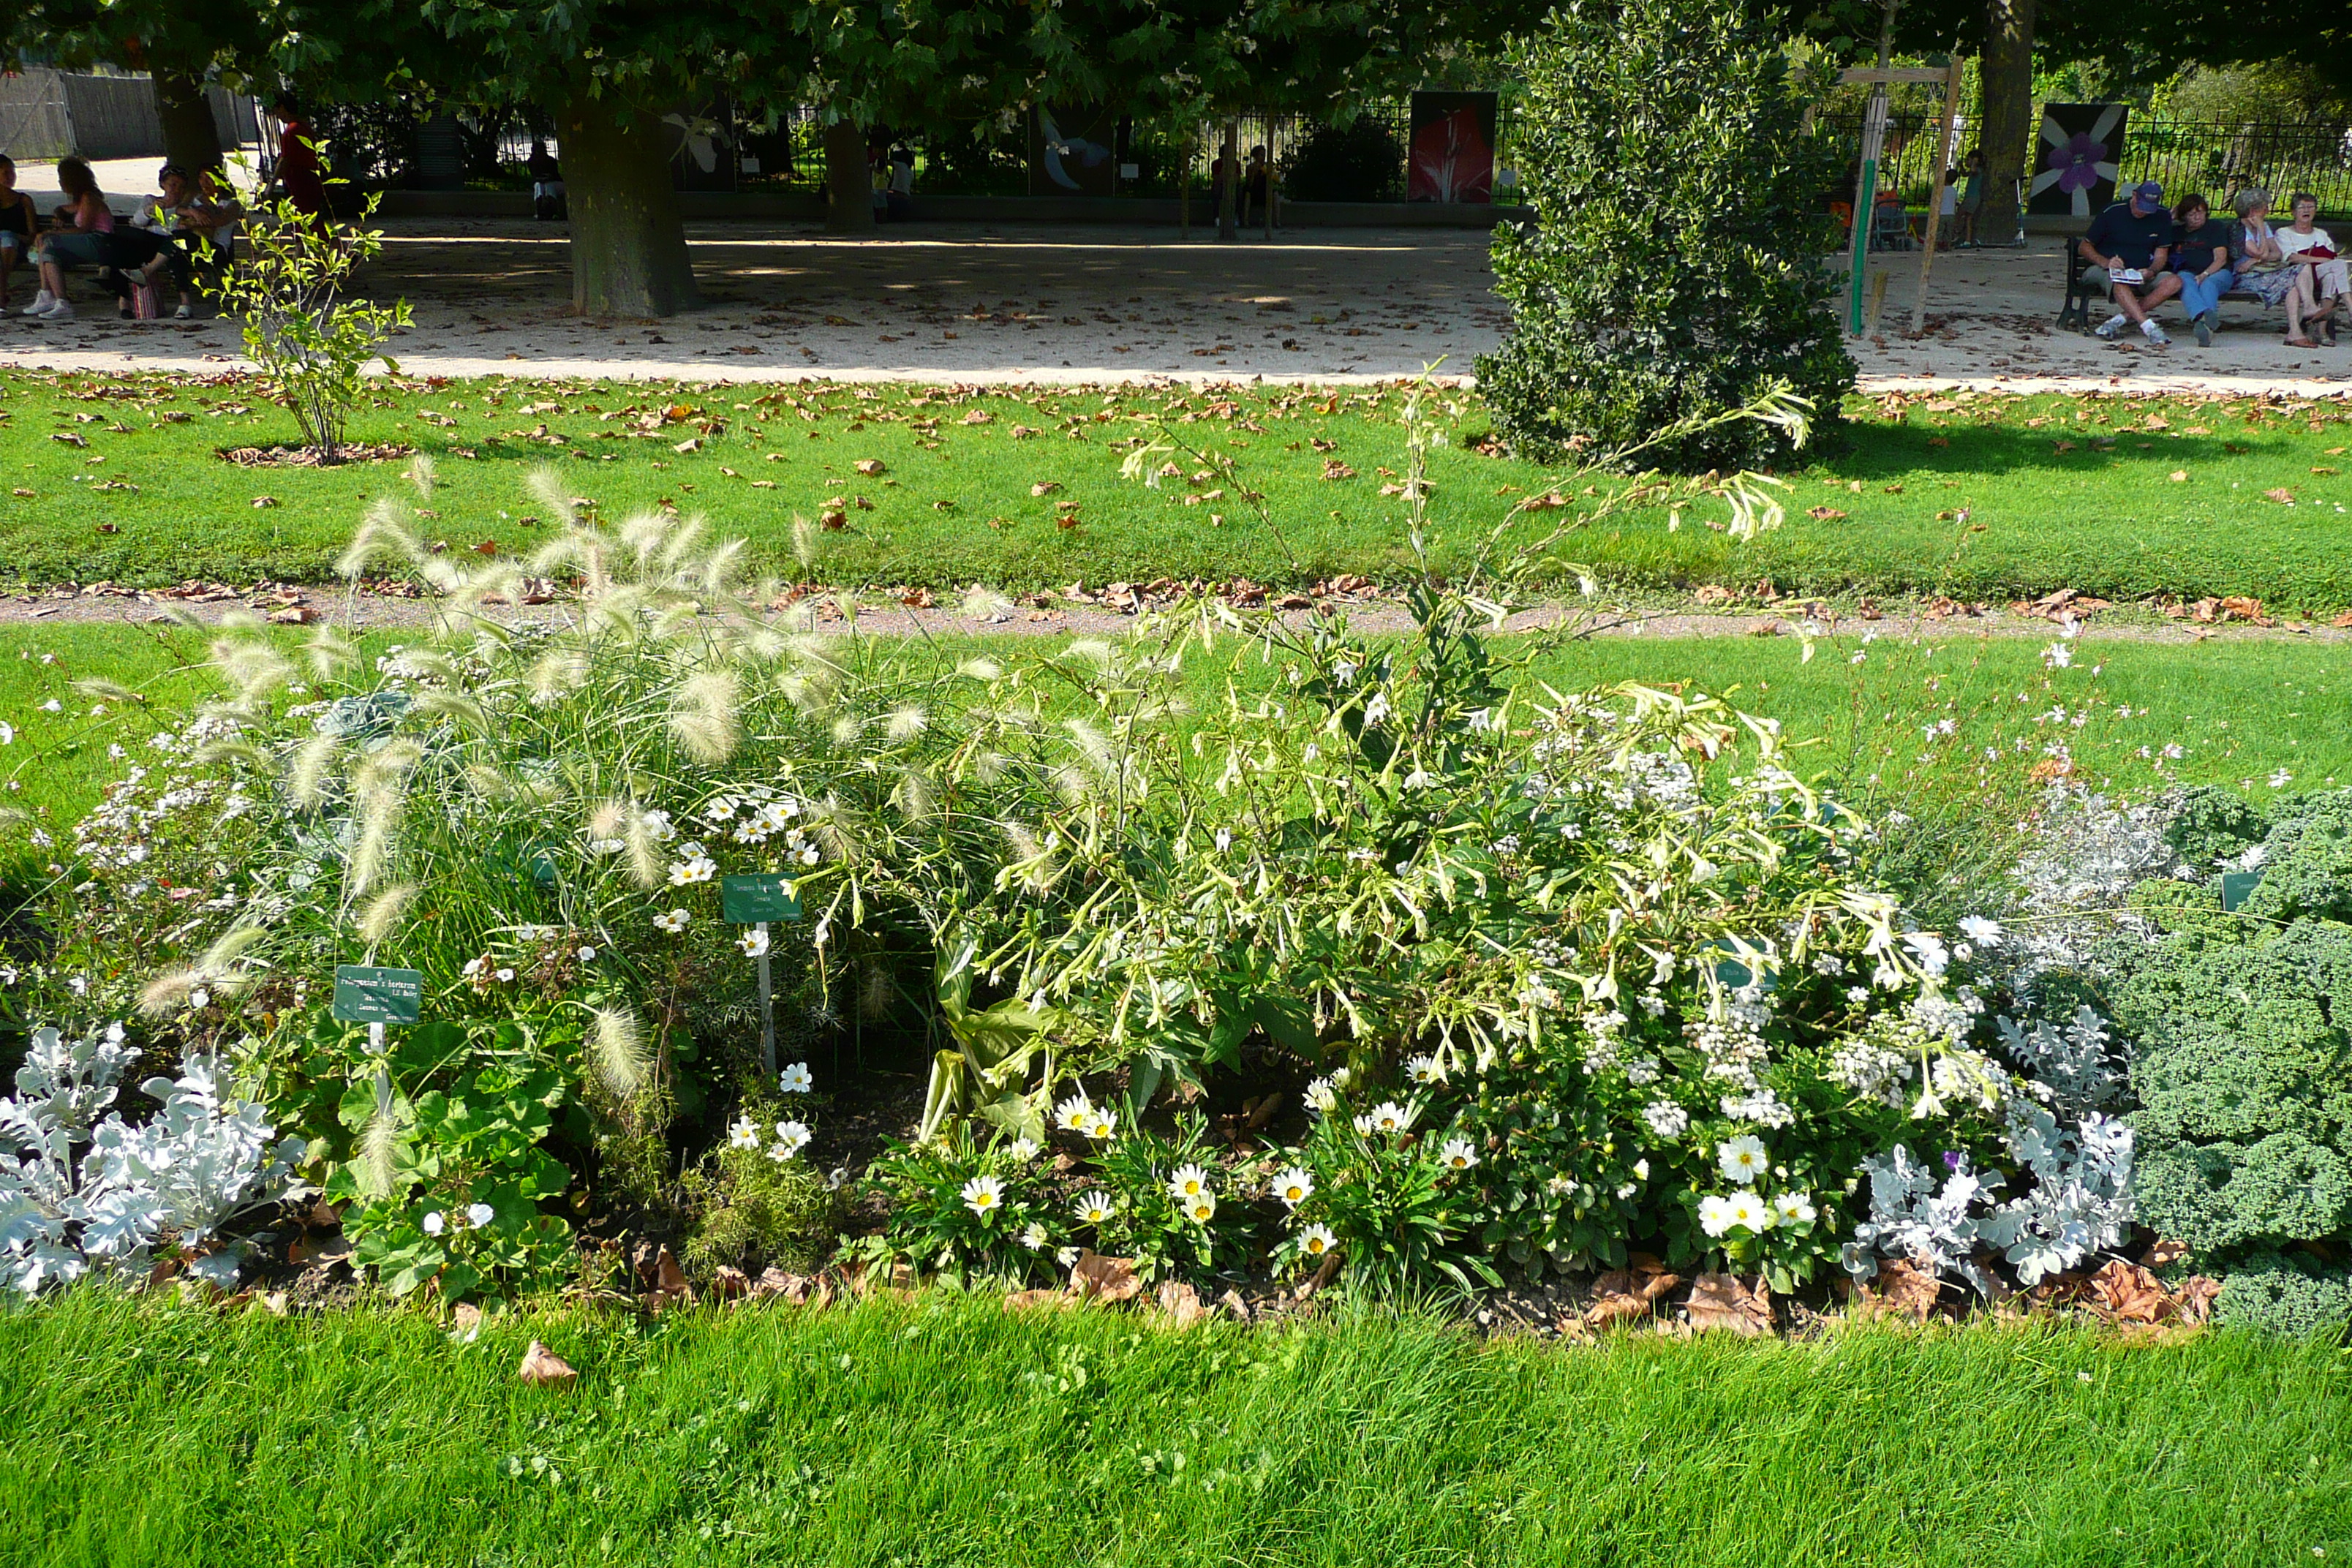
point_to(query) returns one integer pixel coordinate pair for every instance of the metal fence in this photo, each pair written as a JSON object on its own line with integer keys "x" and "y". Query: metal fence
{"x": 2210, "y": 156}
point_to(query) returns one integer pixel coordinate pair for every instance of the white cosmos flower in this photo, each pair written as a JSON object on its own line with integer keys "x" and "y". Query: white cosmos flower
{"x": 1316, "y": 1240}
{"x": 1457, "y": 1154}
{"x": 685, "y": 873}
{"x": 1075, "y": 1114}
{"x": 1201, "y": 1210}
{"x": 1189, "y": 1181}
{"x": 1793, "y": 1209}
{"x": 744, "y": 1134}
{"x": 754, "y": 943}
{"x": 435, "y": 1223}
{"x": 984, "y": 1195}
{"x": 1032, "y": 1236}
{"x": 1294, "y": 1187}
{"x": 479, "y": 1214}
{"x": 791, "y": 1137}
{"x": 674, "y": 922}
{"x": 795, "y": 1078}
{"x": 1095, "y": 1208}
{"x": 1742, "y": 1159}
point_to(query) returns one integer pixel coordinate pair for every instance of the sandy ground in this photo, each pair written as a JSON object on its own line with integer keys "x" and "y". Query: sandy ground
{"x": 1010, "y": 303}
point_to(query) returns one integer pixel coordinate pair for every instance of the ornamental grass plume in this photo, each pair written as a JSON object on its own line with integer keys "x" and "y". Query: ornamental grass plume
{"x": 382, "y": 916}
{"x": 617, "y": 1053}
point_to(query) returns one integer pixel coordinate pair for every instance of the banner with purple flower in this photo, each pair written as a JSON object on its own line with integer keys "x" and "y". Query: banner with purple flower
{"x": 2074, "y": 169}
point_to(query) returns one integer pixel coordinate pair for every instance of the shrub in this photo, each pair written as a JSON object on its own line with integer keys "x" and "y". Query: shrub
{"x": 759, "y": 1211}
{"x": 2243, "y": 1071}
{"x": 1358, "y": 162}
{"x": 1675, "y": 265}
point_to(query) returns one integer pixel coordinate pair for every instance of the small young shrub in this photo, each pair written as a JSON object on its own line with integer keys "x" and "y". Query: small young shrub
{"x": 759, "y": 1211}
{"x": 1675, "y": 266}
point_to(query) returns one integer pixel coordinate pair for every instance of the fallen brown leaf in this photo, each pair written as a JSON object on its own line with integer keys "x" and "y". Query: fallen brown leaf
{"x": 1902, "y": 1290}
{"x": 1625, "y": 1295}
{"x": 1823, "y": 513}
{"x": 869, "y": 467}
{"x": 1181, "y": 1302}
{"x": 1100, "y": 1279}
{"x": 1722, "y": 1301}
{"x": 1045, "y": 486}
{"x": 542, "y": 1368}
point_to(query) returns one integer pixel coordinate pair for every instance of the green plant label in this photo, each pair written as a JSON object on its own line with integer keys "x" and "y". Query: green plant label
{"x": 2236, "y": 885}
{"x": 767, "y": 896}
{"x": 1734, "y": 975}
{"x": 367, "y": 995}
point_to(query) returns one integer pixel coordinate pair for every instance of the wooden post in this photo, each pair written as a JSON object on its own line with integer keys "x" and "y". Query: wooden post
{"x": 1936, "y": 197}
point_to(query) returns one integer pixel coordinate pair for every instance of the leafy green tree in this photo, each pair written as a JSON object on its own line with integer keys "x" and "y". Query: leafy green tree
{"x": 1676, "y": 264}
{"x": 181, "y": 43}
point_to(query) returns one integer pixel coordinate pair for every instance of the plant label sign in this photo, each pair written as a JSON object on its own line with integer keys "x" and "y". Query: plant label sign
{"x": 2235, "y": 886}
{"x": 750, "y": 901}
{"x": 364, "y": 994}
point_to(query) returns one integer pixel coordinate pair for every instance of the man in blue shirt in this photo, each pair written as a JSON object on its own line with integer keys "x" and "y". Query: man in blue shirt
{"x": 2133, "y": 240}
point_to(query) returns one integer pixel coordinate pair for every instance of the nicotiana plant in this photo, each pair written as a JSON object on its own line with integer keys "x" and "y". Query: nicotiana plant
{"x": 80, "y": 1194}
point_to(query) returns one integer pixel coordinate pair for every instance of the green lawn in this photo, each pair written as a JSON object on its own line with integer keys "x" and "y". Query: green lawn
{"x": 950, "y": 1433}
{"x": 2240, "y": 712}
{"x": 1982, "y": 497}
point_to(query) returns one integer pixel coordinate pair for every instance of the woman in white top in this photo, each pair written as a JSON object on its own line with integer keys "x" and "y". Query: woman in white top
{"x": 2321, "y": 284}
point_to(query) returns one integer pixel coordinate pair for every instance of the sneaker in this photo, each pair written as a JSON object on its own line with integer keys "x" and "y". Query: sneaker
{"x": 2204, "y": 325}
{"x": 41, "y": 303}
{"x": 59, "y": 311}
{"x": 2112, "y": 325}
{"x": 182, "y": 314}
{"x": 2154, "y": 334}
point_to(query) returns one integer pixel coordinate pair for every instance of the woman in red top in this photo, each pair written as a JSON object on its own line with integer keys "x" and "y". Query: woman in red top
{"x": 83, "y": 234}
{"x": 298, "y": 160}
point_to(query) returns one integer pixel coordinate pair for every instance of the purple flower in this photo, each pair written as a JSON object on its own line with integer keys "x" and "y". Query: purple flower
{"x": 1954, "y": 1158}
{"x": 2079, "y": 160}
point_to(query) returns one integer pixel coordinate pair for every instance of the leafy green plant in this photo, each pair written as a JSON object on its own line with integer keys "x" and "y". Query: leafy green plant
{"x": 1170, "y": 1207}
{"x": 1392, "y": 1202}
{"x": 304, "y": 326}
{"x": 962, "y": 1207}
{"x": 758, "y": 1211}
{"x": 1673, "y": 267}
{"x": 1358, "y": 162}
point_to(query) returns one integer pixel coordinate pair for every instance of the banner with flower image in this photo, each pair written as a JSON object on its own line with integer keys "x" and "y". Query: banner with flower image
{"x": 2075, "y": 166}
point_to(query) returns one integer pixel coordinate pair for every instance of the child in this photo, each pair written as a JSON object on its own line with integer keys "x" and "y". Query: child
{"x": 1971, "y": 197}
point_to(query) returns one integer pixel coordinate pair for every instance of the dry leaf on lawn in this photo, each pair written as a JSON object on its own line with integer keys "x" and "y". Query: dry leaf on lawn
{"x": 543, "y": 1368}
{"x": 869, "y": 467}
{"x": 1181, "y": 1302}
{"x": 1101, "y": 1279}
{"x": 2123, "y": 1292}
{"x": 1623, "y": 1295}
{"x": 1903, "y": 1290}
{"x": 1045, "y": 486}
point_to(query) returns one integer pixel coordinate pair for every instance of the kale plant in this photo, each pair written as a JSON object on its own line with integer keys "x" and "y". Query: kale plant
{"x": 78, "y": 1195}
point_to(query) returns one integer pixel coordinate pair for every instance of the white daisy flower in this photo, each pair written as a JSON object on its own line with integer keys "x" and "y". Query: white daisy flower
{"x": 1032, "y": 1236}
{"x": 1189, "y": 1181}
{"x": 1388, "y": 1116}
{"x": 1749, "y": 1210}
{"x": 1978, "y": 930}
{"x": 1715, "y": 1214}
{"x": 1742, "y": 1158}
{"x": 1075, "y": 1114}
{"x": 754, "y": 943}
{"x": 1457, "y": 1154}
{"x": 1294, "y": 1187}
{"x": 984, "y": 1195}
{"x": 1094, "y": 1208}
{"x": 1201, "y": 1210}
{"x": 795, "y": 1079}
{"x": 1316, "y": 1240}
{"x": 1103, "y": 1125}
{"x": 1423, "y": 1070}
{"x": 744, "y": 1134}
{"x": 1793, "y": 1209}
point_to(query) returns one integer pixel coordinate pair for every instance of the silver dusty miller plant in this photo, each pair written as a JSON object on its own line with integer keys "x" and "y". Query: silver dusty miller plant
{"x": 2080, "y": 1203}
{"x": 79, "y": 1196}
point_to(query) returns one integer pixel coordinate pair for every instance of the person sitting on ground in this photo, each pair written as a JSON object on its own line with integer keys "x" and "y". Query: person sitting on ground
{"x": 82, "y": 237}
{"x": 2321, "y": 283}
{"x": 1971, "y": 197}
{"x": 19, "y": 223}
{"x": 2133, "y": 240}
{"x": 2205, "y": 260}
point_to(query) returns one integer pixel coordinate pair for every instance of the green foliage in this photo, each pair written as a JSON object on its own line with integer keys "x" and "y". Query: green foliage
{"x": 312, "y": 337}
{"x": 1675, "y": 266}
{"x": 964, "y": 1207}
{"x": 1358, "y": 162}
{"x": 2244, "y": 1066}
{"x": 1167, "y": 1231}
{"x": 2215, "y": 825}
{"x": 759, "y": 1211}
{"x": 1400, "y": 1210}
{"x": 2286, "y": 1293}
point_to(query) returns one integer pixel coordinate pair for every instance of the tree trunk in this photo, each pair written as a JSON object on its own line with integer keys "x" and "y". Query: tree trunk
{"x": 1229, "y": 195}
{"x": 191, "y": 139}
{"x": 848, "y": 180}
{"x": 2006, "y": 129}
{"x": 628, "y": 243}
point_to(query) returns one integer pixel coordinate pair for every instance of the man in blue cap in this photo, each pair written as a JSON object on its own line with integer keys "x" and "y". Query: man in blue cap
{"x": 2132, "y": 239}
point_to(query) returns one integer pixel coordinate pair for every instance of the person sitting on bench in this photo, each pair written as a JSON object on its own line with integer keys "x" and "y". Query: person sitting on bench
{"x": 2204, "y": 258}
{"x": 83, "y": 236}
{"x": 2310, "y": 253}
{"x": 2133, "y": 240}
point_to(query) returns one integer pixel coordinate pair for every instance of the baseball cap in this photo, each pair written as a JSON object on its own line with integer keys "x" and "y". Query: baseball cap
{"x": 2148, "y": 192}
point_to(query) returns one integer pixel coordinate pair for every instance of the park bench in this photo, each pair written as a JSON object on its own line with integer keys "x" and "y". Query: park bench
{"x": 2085, "y": 283}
